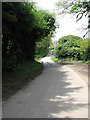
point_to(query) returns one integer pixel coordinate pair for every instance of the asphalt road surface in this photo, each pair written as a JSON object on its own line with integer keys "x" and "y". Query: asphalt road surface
{"x": 58, "y": 92}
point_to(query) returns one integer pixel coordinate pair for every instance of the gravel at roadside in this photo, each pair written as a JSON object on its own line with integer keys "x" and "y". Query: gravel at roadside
{"x": 82, "y": 70}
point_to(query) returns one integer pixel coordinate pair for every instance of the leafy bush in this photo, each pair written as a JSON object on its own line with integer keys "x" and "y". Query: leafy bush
{"x": 85, "y": 49}
{"x": 68, "y": 47}
{"x": 54, "y": 59}
{"x": 69, "y": 40}
{"x": 74, "y": 53}
{"x": 60, "y": 52}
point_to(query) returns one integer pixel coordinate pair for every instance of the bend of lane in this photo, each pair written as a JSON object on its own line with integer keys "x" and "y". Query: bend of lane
{"x": 58, "y": 92}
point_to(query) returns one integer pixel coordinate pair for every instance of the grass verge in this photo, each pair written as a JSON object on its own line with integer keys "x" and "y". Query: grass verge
{"x": 69, "y": 60}
{"x": 61, "y": 60}
{"x": 14, "y": 81}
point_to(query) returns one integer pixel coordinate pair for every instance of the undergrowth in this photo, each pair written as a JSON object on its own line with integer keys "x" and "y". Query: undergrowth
{"x": 13, "y": 81}
{"x": 69, "y": 60}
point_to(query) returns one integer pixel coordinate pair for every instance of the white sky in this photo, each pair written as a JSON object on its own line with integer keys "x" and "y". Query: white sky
{"x": 67, "y": 23}
{"x": 46, "y": 4}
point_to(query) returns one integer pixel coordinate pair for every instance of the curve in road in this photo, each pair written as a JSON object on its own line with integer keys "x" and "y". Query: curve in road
{"x": 58, "y": 92}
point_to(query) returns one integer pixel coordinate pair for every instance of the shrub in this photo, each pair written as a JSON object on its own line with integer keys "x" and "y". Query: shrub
{"x": 70, "y": 40}
{"x": 54, "y": 59}
{"x": 74, "y": 53}
{"x": 85, "y": 49}
{"x": 60, "y": 51}
{"x": 68, "y": 47}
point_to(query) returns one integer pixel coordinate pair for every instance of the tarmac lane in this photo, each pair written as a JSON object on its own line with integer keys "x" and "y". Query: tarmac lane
{"x": 58, "y": 92}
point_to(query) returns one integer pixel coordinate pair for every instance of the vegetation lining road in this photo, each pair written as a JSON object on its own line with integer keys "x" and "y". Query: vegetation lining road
{"x": 26, "y": 35}
{"x": 12, "y": 82}
{"x": 69, "y": 60}
{"x": 72, "y": 48}
{"x": 80, "y": 67}
{"x": 74, "y": 52}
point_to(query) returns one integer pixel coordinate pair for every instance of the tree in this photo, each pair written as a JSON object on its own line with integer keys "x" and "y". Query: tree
{"x": 22, "y": 26}
{"x": 79, "y": 8}
{"x": 68, "y": 48}
{"x": 42, "y": 47}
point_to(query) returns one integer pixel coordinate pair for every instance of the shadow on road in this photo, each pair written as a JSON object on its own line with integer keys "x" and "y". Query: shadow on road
{"x": 61, "y": 100}
{"x": 52, "y": 96}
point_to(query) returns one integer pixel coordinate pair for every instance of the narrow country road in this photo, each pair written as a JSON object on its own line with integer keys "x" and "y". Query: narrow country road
{"x": 58, "y": 92}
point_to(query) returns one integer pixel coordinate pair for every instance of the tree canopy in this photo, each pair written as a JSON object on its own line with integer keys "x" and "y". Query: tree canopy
{"x": 79, "y": 8}
{"x": 22, "y": 26}
{"x": 72, "y": 47}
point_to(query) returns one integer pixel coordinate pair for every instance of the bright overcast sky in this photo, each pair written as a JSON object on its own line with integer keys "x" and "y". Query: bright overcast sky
{"x": 67, "y": 23}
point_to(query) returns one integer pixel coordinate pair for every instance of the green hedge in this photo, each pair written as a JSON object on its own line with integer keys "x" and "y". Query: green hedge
{"x": 72, "y": 47}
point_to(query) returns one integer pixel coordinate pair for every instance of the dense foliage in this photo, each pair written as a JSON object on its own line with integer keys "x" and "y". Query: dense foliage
{"x": 85, "y": 49}
{"x": 42, "y": 47}
{"x": 22, "y": 26}
{"x": 72, "y": 47}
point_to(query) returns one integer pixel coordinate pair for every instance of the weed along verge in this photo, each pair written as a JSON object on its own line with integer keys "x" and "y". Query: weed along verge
{"x": 16, "y": 80}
